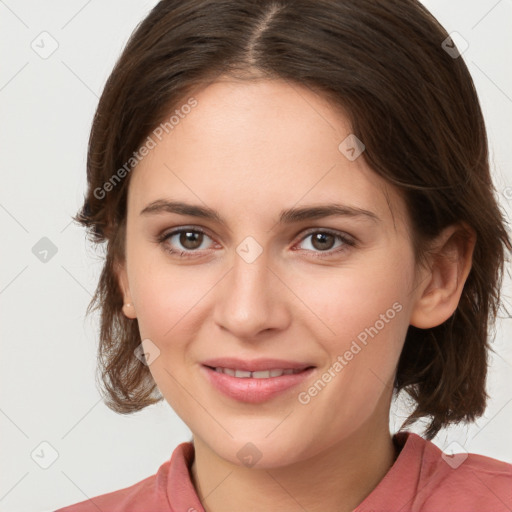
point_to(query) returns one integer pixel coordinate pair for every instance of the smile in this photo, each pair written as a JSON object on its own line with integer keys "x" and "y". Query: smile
{"x": 255, "y": 386}
{"x": 262, "y": 374}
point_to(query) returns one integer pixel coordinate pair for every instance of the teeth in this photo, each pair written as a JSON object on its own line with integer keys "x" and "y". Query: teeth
{"x": 262, "y": 374}
{"x": 265, "y": 374}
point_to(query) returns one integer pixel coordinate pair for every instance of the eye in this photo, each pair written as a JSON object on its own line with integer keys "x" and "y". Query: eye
{"x": 184, "y": 241}
{"x": 191, "y": 242}
{"x": 323, "y": 241}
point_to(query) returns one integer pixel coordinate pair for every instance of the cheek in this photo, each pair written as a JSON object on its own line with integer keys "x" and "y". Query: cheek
{"x": 350, "y": 301}
{"x": 371, "y": 321}
{"x": 166, "y": 302}
{"x": 366, "y": 312}
{"x": 168, "y": 305}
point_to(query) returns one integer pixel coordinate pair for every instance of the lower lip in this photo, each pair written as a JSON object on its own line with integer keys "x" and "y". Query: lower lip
{"x": 251, "y": 389}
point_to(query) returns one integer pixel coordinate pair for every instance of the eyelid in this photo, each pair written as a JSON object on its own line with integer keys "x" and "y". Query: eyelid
{"x": 162, "y": 238}
{"x": 334, "y": 232}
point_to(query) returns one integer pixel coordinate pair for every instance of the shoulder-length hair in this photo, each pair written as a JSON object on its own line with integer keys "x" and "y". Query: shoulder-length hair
{"x": 410, "y": 98}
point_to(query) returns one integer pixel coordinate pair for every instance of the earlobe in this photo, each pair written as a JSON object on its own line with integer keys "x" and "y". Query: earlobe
{"x": 443, "y": 282}
{"x": 122, "y": 279}
{"x": 129, "y": 310}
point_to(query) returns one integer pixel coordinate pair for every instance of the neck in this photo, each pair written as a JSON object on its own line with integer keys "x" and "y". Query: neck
{"x": 339, "y": 478}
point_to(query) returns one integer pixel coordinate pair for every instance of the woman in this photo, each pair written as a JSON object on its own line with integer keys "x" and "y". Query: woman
{"x": 300, "y": 224}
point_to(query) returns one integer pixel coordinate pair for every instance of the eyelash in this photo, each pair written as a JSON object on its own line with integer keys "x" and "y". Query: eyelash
{"x": 347, "y": 242}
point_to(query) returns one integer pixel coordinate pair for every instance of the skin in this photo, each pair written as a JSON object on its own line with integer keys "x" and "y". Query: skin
{"x": 250, "y": 150}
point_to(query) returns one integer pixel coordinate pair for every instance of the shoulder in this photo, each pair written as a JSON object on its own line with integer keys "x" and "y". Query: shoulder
{"x": 425, "y": 479}
{"x": 148, "y": 494}
{"x": 145, "y": 492}
{"x": 462, "y": 481}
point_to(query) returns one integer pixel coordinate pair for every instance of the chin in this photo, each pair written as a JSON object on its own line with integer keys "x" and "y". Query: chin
{"x": 260, "y": 451}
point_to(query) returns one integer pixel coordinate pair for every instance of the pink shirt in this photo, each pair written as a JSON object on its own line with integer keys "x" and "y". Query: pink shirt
{"x": 422, "y": 479}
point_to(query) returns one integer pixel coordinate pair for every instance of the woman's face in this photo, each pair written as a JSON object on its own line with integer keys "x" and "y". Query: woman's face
{"x": 268, "y": 280}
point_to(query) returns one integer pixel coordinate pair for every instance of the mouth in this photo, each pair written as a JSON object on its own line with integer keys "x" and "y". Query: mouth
{"x": 256, "y": 381}
{"x": 260, "y": 374}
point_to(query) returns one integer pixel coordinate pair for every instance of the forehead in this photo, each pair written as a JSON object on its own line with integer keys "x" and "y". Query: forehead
{"x": 248, "y": 144}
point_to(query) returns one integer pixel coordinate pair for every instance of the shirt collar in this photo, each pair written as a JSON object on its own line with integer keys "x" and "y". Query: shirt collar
{"x": 406, "y": 468}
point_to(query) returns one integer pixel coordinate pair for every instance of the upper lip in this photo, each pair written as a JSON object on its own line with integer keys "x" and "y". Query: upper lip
{"x": 254, "y": 365}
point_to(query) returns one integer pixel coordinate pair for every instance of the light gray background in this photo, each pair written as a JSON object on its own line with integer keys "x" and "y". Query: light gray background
{"x": 48, "y": 391}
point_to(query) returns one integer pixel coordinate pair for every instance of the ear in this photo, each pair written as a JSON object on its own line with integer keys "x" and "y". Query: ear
{"x": 441, "y": 284}
{"x": 122, "y": 279}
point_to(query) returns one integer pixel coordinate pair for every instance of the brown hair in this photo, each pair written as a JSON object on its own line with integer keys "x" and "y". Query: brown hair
{"x": 412, "y": 104}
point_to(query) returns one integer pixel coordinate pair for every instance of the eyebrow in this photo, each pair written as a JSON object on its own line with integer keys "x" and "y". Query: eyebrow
{"x": 288, "y": 216}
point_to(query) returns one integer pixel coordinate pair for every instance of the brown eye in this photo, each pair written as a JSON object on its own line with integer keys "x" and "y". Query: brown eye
{"x": 323, "y": 241}
{"x": 185, "y": 242}
{"x": 190, "y": 240}
{"x": 330, "y": 243}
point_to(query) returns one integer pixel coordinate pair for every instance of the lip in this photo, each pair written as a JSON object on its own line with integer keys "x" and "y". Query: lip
{"x": 254, "y": 390}
{"x": 255, "y": 365}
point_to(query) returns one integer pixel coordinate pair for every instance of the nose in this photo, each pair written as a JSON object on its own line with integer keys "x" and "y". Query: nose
{"x": 251, "y": 299}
